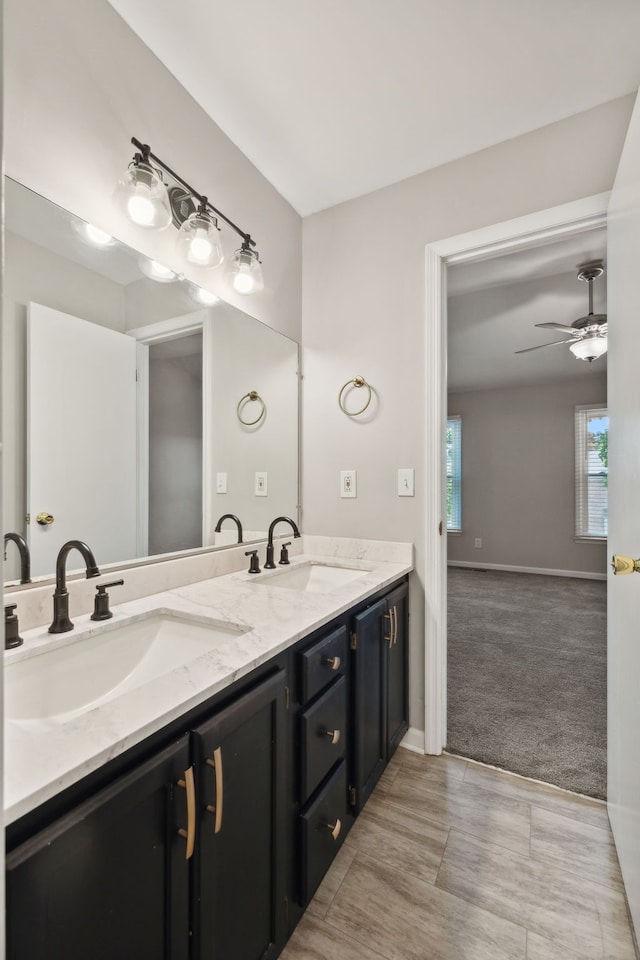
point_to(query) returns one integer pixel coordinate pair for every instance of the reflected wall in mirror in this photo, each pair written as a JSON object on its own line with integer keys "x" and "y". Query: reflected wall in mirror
{"x": 120, "y": 401}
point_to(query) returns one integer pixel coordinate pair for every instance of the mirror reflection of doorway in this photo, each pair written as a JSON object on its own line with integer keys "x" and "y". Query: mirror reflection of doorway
{"x": 175, "y": 444}
{"x": 526, "y": 585}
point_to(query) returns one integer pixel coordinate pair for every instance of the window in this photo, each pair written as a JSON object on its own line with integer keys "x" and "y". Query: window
{"x": 454, "y": 474}
{"x": 592, "y": 467}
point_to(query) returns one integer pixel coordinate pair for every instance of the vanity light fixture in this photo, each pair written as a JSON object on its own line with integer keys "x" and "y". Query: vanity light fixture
{"x": 147, "y": 201}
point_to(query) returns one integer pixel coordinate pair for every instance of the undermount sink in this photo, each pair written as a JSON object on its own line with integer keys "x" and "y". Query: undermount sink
{"x": 63, "y": 681}
{"x": 313, "y": 577}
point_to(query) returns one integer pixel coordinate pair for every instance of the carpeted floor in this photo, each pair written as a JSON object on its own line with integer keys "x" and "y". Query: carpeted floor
{"x": 527, "y": 664}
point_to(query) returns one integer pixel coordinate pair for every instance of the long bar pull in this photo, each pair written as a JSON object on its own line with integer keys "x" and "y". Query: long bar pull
{"x": 189, "y": 834}
{"x": 395, "y": 624}
{"x": 216, "y": 763}
{"x": 389, "y": 616}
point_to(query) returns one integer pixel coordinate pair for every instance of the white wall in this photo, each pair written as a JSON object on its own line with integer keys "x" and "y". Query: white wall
{"x": 363, "y": 313}
{"x": 518, "y": 476}
{"x": 78, "y": 85}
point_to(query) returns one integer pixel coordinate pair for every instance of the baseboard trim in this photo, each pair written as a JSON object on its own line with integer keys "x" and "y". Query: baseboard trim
{"x": 413, "y": 740}
{"x": 581, "y": 574}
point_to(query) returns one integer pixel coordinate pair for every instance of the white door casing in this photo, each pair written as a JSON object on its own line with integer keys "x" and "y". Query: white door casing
{"x": 81, "y": 438}
{"x": 623, "y": 657}
{"x": 529, "y": 231}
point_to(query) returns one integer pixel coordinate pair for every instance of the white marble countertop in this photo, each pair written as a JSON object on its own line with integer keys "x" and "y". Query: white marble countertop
{"x": 43, "y": 757}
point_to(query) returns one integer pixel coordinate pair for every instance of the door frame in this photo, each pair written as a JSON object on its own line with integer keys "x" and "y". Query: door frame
{"x": 532, "y": 230}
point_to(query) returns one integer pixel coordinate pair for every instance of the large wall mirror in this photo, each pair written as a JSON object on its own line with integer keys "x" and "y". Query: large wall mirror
{"x": 137, "y": 408}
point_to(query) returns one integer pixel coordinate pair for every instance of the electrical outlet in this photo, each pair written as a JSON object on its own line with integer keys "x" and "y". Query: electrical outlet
{"x": 221, "y": 483}
{"x": 260, "y": 484}
{"x": 348, "y": 483}
{"x": 477, "y": 542}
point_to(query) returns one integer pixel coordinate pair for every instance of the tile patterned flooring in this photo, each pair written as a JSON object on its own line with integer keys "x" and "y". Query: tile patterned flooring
{"x": 450, "y": 860}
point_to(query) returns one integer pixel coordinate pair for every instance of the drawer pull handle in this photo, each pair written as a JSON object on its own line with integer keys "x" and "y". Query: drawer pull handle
{"x": 189, "y": 834}
{"x": 334, "y": 828}
{"x": 216, "y": 810}
{"x": 333, "y": 662}
{"x": 334, "y": 735}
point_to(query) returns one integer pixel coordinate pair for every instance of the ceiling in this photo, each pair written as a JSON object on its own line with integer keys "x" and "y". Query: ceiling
{"x": 333, "y": 99}
{"x": 493, "y": 307}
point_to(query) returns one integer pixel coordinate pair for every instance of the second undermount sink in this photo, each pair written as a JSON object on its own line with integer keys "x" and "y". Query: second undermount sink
{"x": 313, "y": 577}
{"x": 68, "y": 679}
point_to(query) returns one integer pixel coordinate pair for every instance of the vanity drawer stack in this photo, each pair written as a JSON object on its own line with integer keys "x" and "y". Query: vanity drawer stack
{"x": 322, "y": 743}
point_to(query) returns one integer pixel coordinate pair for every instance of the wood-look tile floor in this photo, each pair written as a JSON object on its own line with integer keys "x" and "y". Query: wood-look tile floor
{"x": 451, "y": 860}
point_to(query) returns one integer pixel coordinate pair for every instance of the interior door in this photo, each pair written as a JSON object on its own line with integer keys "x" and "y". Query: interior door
{"x": 624, "y": 515}
{"x": 81, "y": 437}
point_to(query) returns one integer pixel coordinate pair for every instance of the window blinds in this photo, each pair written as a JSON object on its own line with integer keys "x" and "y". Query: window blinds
{"x": 591, "y": 452}
{"x": 454, "y": 474}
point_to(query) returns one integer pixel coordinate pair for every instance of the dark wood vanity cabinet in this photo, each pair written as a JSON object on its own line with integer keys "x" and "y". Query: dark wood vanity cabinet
{"x": 207, "y": 841}
{"x": 109, "y": 879}
{"x": 379, "y": 643}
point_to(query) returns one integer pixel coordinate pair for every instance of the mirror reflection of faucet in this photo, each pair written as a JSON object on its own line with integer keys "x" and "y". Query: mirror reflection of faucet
{"x": 229, "y": 516}
{"x": 61, "y": 622}
{"x": 270, "y": 565}
{"x": 25, "y": 556}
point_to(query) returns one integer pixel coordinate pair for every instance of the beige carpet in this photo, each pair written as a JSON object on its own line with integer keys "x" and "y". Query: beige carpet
{"x": 527, "y": 675}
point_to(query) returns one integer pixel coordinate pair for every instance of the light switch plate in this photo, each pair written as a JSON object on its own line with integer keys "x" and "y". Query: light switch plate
{"x": 221, "y": 483}
{"x": 261, "y": 484}
{"x": 348, "y": 484}
{"x": 406, "y": 484}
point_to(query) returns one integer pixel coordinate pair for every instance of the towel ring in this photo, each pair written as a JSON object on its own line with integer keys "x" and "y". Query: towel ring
{"x": 356, "y": 382}
{"x": 250, "y": 397}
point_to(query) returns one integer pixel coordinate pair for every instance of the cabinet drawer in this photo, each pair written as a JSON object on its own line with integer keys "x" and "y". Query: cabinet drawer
{"x": 322, "y": 662}
{"x": 323, "y": 736}
{"x": 323, "y": 825}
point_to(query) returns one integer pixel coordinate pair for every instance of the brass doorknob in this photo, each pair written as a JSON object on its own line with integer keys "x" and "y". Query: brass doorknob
{"x": 622, "y": 564}
{"x": 44, "y": 519}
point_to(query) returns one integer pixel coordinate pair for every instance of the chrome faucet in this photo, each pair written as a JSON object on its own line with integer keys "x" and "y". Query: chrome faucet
{"x": 61, "y": 622}
{"x": 229, "y": 516}
{"x": 270, "y": 565}
{"x": 25, "y": 557}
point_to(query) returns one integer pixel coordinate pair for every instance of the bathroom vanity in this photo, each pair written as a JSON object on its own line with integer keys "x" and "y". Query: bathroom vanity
{"x": 195, "y": 814}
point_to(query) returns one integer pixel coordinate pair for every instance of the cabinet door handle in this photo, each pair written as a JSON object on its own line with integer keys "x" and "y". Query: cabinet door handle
{"x": 389, "y": 616}
{"x": 334, "y": 828}
{"x": 333, "y": 662}
{"x": 334, "y": 735}
{"x": 216, "y": 763}
{"x": 394, "y": 610}
{"x": 189, "y": 834}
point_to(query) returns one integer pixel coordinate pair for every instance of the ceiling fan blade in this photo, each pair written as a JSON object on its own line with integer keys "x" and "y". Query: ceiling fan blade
{"x": 550, "y": 344}
{"x": 554, "y": 326}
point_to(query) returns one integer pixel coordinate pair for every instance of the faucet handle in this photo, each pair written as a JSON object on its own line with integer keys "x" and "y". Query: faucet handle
{"x": 254, "y": 566}
{"x": 284, "y": 553}
{"x": 101, "y": 609}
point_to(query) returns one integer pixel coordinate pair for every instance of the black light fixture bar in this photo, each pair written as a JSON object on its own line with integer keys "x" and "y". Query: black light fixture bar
{"x": 147, "y": 154}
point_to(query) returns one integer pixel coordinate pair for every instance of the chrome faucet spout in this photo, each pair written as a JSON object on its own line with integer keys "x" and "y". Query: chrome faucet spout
{"x": 25, "y": 556}
{"x": 61, "y": 622}
{"x": 229, "y": 516}
{"x": 270, "y": 565}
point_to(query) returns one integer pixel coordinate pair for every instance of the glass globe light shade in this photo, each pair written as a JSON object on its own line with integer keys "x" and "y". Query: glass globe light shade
{"x": 142, "y": 196}
{"x": 156, "y": 271}
{"x": 589, "y": 348}
{"x": 202, "y": 296}
{"x": 246, "y": 272}
{"x": 96, "y": 236}
{"x": 199, "y": 240}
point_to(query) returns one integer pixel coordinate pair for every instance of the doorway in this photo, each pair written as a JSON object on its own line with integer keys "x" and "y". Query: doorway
{"x": 525, "y": 582}
{"x": 529, "y": 231}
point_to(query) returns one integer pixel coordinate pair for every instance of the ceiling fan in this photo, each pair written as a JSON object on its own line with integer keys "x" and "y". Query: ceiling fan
{"x": 588, "y": 339}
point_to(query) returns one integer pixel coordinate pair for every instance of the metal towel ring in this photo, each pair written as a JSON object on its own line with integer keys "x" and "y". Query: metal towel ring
{"x": 251, "y": 396}
{"x": 356, "y": 382}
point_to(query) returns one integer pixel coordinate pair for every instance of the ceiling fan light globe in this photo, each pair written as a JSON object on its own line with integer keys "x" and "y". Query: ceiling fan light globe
{"x": 589, "y": 349}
